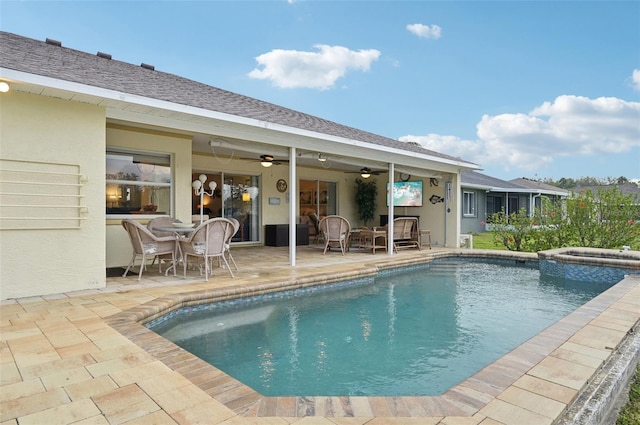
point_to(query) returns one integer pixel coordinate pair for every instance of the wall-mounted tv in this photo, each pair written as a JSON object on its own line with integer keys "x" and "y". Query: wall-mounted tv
{"x": 406, "y": 194}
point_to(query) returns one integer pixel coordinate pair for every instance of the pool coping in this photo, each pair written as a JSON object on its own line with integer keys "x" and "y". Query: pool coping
{"x": 551, "y": 369}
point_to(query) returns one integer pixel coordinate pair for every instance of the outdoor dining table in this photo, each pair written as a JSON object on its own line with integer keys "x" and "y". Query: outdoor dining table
{"x": 180, "y": 232}
{"x": 373, "y": 239}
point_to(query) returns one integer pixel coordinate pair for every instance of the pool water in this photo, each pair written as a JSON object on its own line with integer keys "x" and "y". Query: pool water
{"x": 418, "y": 331}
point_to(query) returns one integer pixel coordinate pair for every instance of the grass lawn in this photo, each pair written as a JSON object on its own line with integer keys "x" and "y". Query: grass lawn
{"x": 484, "y": 240}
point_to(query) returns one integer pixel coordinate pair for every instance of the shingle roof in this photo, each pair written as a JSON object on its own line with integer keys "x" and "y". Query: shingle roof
{"x": 626, "y": 188}
{"x": 473, "y": 178}
{"x": 534, "y": 184}
{"x": 40, "y": 58}
{"x": 479, "y": 179}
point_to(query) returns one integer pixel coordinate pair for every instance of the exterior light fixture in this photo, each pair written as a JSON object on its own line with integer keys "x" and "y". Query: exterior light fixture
{"x": 266, "y": 160}
{"x": 365, "y": 173}
{"x": 199, "y": 190}
{"x": 322, "y": 158}
{"x": 4, "y": 87}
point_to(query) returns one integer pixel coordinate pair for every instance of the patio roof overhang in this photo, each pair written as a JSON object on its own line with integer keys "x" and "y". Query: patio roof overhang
{"x": 203, "y": 125}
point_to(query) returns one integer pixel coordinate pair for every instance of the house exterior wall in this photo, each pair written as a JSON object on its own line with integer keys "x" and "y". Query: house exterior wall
{"x": 37, "y": 128}
{"x": 474, "y": 224}
{"x": 118, "y": 246}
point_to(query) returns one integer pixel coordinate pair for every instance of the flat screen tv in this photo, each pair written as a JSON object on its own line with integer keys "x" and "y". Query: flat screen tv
{"x": 406, "y": 194}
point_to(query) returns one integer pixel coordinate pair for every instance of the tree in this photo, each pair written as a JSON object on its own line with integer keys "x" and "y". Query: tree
{"x": 366, "y": 193}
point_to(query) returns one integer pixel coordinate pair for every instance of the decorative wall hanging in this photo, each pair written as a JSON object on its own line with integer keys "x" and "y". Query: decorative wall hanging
{"x": 281, "y": 185}
{"x": 435, "y": 199}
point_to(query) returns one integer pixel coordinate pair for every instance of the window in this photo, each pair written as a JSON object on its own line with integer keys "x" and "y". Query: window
{"x": 469, "y": 204}
{"x": 495, "y": 204}
{"x": 318, "y": 197}
{"x": 138, "y": 183}
{"x": 241, "y": 200}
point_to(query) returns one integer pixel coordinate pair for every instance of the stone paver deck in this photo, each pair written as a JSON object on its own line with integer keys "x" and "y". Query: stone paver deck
{"x": 84, "y": 357}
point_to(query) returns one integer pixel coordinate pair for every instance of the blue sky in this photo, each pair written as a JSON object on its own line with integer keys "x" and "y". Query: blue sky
{"x": 540, "y": 89}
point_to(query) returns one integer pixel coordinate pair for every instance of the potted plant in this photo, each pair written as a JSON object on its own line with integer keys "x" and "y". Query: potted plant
{"x": 366, "y": 193}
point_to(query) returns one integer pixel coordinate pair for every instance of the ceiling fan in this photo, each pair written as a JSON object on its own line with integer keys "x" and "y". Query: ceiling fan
{"x": 366, "y": 172}
{"x": 269, "y": 160}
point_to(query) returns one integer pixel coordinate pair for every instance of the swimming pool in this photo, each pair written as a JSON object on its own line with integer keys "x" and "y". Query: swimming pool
{"x": 471, "y": 314}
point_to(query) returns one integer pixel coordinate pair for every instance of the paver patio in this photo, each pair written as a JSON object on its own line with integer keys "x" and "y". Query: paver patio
{"x": 64, "y": 358}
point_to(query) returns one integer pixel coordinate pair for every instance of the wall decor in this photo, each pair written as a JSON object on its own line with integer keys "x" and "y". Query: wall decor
{"x": 281, "y": 185}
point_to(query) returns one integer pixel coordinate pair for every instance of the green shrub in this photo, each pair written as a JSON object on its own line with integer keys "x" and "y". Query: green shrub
{"x": 602, "y": 220}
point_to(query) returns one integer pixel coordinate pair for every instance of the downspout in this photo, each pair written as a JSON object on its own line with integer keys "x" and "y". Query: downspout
{"x": 533, "y": 204}
{"x": 506, "y": 203}
{"x": 447, "y": 211}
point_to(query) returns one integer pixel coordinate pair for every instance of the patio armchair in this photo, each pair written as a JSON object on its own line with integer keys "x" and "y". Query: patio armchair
{"x": 406, "y": 233}
{"x": 315, "y": 222}
{"x": 146, "y": 244}
{"x": 227, "y": 245}
{"x": 208, "y": 241}
{"x": 335, "y": 232}
{"x": 154, "y": 223}
{"x": 153, "y": 226}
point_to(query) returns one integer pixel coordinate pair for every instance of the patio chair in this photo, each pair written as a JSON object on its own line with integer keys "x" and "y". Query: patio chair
{"x": 208, "y": 241}
{"x": 154, "y": 223}
{"x": 335, "y": 231}
{"x": 227, "y": 245}
{"x": 147, "y": 244}
{"x": 315, "y": 222}
{"x": 406, "y": 233}
{"x": 153, "y": 226}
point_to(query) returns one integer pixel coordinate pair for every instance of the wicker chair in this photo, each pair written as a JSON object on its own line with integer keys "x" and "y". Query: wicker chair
{"x": 227, "y": 245}
{"x": 206, "y": 242}
{"x": 335, "y": 232}
{"x": 154, "y": 223}
{"x": 147, "y": 244}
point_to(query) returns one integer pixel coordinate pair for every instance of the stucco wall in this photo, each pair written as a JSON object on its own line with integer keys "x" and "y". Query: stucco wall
{"x": 38, "y": 262}
{"x": 432, "y": 216}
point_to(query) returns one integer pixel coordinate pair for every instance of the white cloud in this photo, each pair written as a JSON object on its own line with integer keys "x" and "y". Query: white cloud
{"x": 635, "y": 79}
{"x": 425, "y": 31}
{"x": 568, "y": 126}
{"x": 317, "y": 70}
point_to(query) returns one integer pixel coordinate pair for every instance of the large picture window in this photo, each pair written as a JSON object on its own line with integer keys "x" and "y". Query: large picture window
{"x": 138, "y": 183}
{"x": 241, "y": 200}
{"x": 319, "y": 197}
{"x": 469, "y": 204}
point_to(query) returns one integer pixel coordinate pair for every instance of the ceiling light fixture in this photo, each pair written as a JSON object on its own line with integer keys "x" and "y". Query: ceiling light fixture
{"x": 266, "y": 160}
{"x": 4, "y": 87}
{"x": 365, "y": 173}
{"x": 322, "y": 158}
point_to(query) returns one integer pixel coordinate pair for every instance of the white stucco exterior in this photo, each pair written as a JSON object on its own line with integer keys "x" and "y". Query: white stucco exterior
{"x": 37, "y": 262}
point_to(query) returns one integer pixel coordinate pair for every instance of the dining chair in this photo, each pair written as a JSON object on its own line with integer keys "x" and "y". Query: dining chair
{"x": 206, "y": 242}
{"x": 157, "y": 222}
{"x": 146, "y": 244}
{"x": 227, "y": 245}
{"x": 335, "y": 231}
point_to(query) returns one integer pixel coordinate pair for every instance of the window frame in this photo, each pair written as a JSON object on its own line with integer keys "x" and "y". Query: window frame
{"x": 145, "y": 154}
{"x": 469, "y": 203}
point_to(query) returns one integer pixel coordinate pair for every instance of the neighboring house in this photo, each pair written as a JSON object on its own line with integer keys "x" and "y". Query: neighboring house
{"x": 484, "y": 195}
{"x": 626, "y": 188}
{"x": 87, "y": 140}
